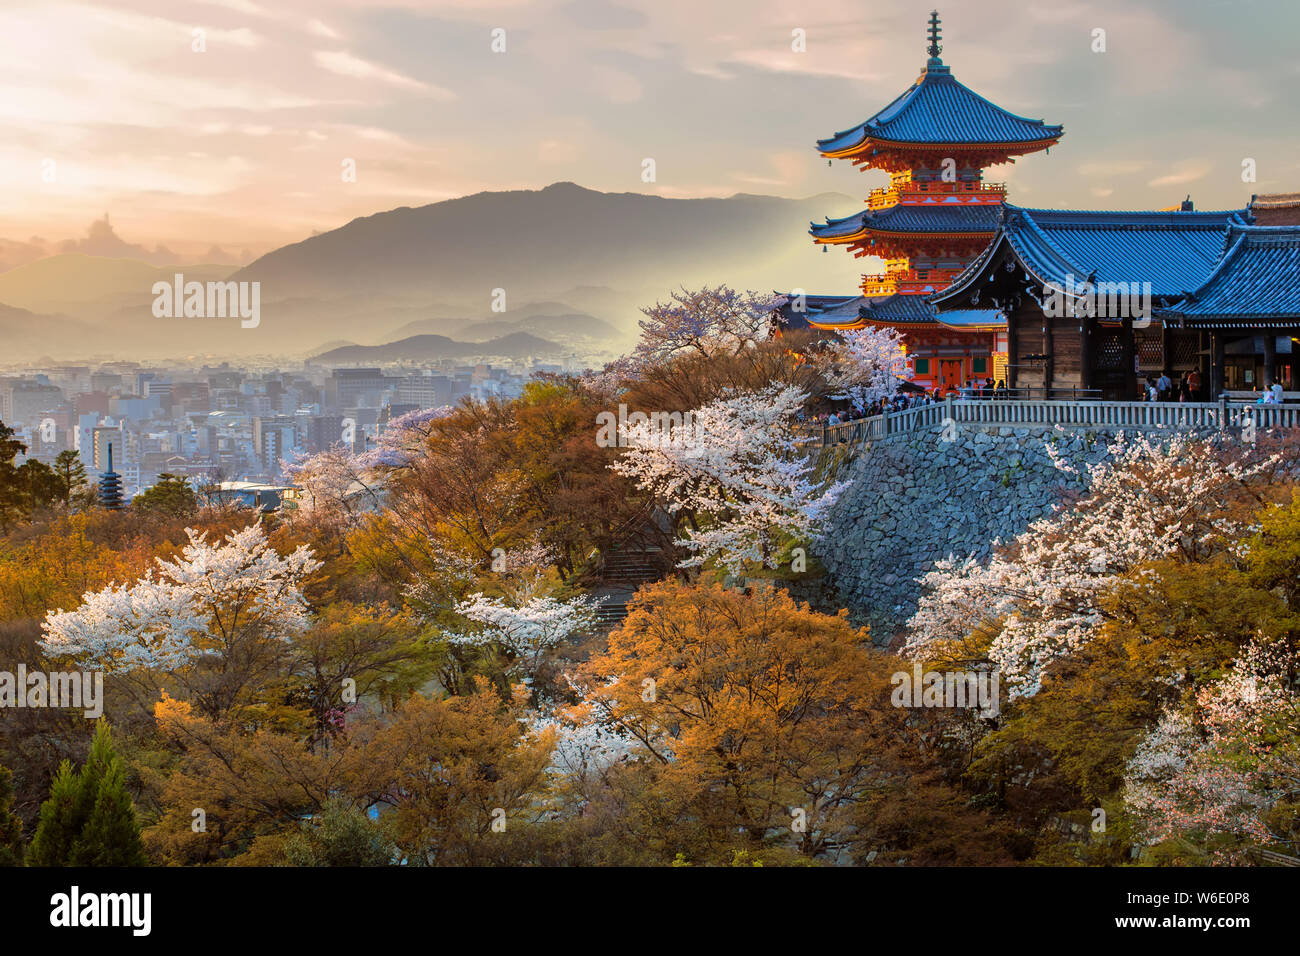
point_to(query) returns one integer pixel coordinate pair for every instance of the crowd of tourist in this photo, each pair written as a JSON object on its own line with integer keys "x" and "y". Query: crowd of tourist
{"x": 1188, "y": 389}
{"x": 1155, "y": 389}
{"x": 903, "y": 400}
{"x": 1162, "y": 389}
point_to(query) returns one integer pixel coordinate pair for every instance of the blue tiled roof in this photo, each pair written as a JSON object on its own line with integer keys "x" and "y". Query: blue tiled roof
{"x": 1257, "y": 278}
{"x": 829, "y": 309}
{"x": 1173, "y": 251}
{"x": 926, "y": 217}
{"x": 898, "y": 309}
{"x": 972, "y": 318}
{"x": 938, "y": 109}
{"x": 904, "y": 310}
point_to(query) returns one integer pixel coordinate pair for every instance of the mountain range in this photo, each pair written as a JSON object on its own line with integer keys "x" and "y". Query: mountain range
{"x": 432, "y": 348}
{"x": 569, "y": 266}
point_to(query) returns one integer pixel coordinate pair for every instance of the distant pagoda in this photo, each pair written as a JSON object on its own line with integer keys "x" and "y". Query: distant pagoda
{"x": 110, "y": 486}
{"x": 936, "y": 216}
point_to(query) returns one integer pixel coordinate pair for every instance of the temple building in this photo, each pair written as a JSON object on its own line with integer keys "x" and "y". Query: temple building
{"x": 936, "y": 216}
{"x": 1057, "y": 303}
{"x": 1246, "y": 316}
{"x": 1096, "y": 301}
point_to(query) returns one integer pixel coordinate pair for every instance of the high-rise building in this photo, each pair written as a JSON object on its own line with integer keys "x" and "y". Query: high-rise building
{"x": 161, "y": 390}
{"x": 320, "y": 432}
{"x": 105, "y": 381}
{"x": 91, "y": 403}
{"x": 356, "y": 388}
{"x": 27, "y": 402}
{"x": 101, "y": 437}
{"x": 190, "y": 396}
{"x": 424, "y": 391}
{"x": 274, "y": 438}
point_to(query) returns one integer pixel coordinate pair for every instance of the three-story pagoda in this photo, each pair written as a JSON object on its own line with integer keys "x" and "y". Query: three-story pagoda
{"x": 936, "y": 216}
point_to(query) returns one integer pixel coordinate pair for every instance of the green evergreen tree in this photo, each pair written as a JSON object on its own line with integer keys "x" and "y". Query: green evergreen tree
{"x": 11, "y": 491}
{"x": 38, "y": 485}
{"x": 25, "y": 487}
{"x": 11, "y": 828}
{"x": 89, "y": 819}
{"x": 71, "y": 474}
{"x": 172, "y": 495}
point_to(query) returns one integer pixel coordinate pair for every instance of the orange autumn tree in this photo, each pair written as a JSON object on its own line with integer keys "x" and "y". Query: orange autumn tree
{"x": 448, "y": 769}
{"x": 54, "y": 567}
{"x": 246, "y": 784}
{"x": 759, "y": 717}
{"x": 466, "y": 776}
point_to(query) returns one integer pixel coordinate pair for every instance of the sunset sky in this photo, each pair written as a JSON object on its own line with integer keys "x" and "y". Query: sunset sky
{"x": 242, "y": 145}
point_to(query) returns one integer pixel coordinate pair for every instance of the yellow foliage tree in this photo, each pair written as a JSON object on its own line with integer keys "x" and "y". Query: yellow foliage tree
{"x": 763, "y": 715}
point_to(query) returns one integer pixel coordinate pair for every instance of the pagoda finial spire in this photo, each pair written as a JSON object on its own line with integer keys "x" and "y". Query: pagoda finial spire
{"x": 934, "y": 48}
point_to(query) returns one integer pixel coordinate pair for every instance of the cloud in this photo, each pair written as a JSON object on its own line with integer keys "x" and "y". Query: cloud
{"x": 345, "y": 64}
{"x": 1112, "y": 168}
{"x": 789, "y": 169}
{"x": 787, "y": 61}
{"x": 240, "y": 6}
{"x": 111, "y": 91}
{"x": 1181, "y": 177}
{"x": 712, "y": 72}
{"x": 319, "y": 29}
{"x": 239, "y": 37}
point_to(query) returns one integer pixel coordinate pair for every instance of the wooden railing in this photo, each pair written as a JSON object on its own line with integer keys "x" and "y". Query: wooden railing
{"x": 907, "y": 280}
{"x": 1050, "y": 413}
{"x": 918, "y": 191}
{"x": 1269, "y": 856}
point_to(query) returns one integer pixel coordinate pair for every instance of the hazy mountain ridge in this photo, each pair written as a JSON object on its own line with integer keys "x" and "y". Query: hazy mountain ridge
{"x": 573, "y": 327}
{"x": 573, "y": 266}
{"x": 433, "y": 348}
{"x": 92, "y": 286}
{"x": 537, "y": 243}
{"x": 31, "y": 334}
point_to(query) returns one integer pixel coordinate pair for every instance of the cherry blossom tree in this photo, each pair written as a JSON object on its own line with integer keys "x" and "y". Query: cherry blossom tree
{"x": 334, "y": 486}
{"x": 706, "y": 322}
{"x": 1152, "y": 497}
{"x": 732, "y": 464}
{"x": 1216, "y": 766}
{"x": 127, "y": 626}
{"x": 585, "y": 747}
{"x": 216, "y": 604}
{"x": 339, "y": 485}
{"x": 402, "y": 439}
{"x": 529, "y": 630}
{"x": 522, "y": 618}
{"x": 608, "y": 382}
{"x": 864, "y": 365}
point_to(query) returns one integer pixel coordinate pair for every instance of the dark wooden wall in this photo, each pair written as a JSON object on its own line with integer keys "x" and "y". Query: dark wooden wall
{"x": 1046, "y": 351}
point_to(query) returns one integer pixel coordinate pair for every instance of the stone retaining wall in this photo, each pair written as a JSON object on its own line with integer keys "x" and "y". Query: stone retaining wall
{"x": 917, "y": 497}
